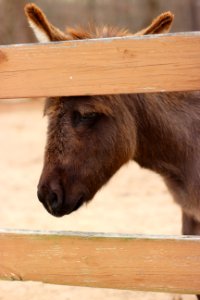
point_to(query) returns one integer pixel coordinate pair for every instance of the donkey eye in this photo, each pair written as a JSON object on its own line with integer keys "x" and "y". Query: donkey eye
{"x": 87, "y": 118}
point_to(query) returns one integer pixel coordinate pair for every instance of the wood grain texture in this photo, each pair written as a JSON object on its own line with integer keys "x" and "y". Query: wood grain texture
{"x": 166, "y": 264}
{"x": 104, "y": 66}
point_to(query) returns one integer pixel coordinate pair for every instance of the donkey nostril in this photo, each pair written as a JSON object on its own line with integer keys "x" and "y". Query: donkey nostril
{"x": 52, "y": 200}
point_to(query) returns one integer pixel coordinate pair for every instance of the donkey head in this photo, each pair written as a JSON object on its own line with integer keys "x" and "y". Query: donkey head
{"x": 89, "y": 137}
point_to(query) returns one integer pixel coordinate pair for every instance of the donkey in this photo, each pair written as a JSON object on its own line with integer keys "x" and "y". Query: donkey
{"x": 90, "y": 137}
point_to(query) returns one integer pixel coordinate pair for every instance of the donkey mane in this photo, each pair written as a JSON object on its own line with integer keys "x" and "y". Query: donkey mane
{"x": 93, "y": 31}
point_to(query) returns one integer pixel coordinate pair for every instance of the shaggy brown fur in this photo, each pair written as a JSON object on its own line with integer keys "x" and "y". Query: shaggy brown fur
{"x": 90, "y": 138}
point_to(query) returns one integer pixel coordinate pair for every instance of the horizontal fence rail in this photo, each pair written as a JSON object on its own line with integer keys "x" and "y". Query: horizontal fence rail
{"x": 102, "y": 66}
{"x": 163, "y": 264}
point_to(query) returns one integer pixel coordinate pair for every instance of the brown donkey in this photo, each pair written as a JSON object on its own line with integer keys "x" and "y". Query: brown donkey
{"x": 91, "y": 137}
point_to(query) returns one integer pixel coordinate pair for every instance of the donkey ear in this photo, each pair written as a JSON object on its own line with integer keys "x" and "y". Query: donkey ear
{"x": 42, "y": 28}
{"x": 162, "y": 24}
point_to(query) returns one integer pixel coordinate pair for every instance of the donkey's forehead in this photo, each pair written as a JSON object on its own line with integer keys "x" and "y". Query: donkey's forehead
{"x": 83, "y": 104}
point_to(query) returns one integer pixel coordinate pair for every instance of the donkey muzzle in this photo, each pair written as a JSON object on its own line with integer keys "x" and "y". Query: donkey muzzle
{"x": 56, "y": 200}
{"x": 52, "y": 200}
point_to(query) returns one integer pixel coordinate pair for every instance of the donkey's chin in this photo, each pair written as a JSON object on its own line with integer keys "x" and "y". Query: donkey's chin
{"x": 56, "y": 214}
{"x": 68, "y": 210}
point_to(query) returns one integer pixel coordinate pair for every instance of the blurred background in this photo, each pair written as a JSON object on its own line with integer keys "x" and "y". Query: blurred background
{"x": 133, "y": 14}
{"x": 134, "y": 201}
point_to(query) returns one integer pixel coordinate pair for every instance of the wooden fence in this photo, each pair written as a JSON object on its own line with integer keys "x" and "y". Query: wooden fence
{"x": 118, "y": 65}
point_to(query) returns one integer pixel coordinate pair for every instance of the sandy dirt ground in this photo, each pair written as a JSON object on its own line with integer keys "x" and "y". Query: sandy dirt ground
{"x": 134, "y": 201}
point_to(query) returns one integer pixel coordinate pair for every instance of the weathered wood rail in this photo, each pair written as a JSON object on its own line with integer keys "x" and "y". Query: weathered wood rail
{"x": 107, "y": 66}
{"x": 169, "y": 264}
